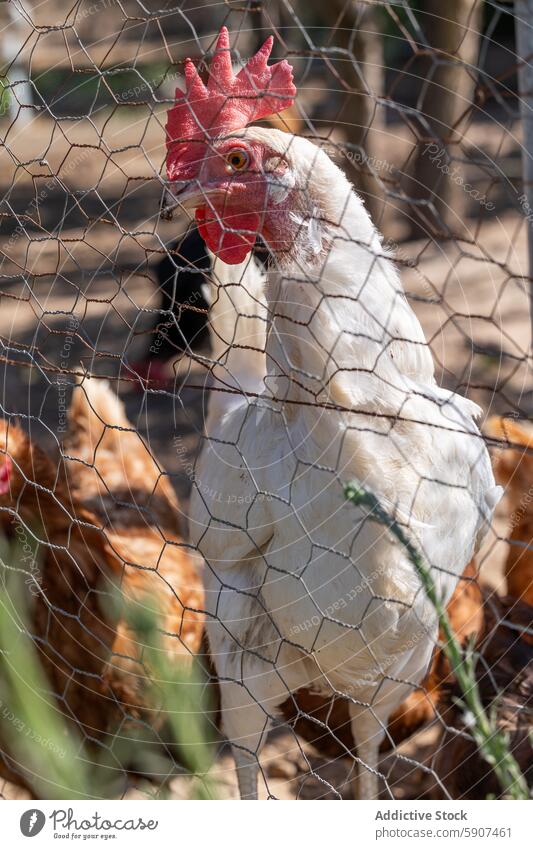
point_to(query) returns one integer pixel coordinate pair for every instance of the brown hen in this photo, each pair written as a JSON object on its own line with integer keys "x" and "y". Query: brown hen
{"x": 108, "y": 532}
{"x": 513, "y": 468}
{"x": 113, "y": 470}
{"x": 68, "y": 580}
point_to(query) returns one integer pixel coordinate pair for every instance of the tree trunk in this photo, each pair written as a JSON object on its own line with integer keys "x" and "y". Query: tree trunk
{"x": 448, "y": 75}
{"x": 360, "y": 71}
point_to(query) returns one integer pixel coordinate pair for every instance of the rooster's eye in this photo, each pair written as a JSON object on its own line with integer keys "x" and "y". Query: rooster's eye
{"x": 237, "y": 160}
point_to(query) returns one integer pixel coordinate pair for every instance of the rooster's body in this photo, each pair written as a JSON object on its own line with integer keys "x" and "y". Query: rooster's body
{"x": 303, "y": 589}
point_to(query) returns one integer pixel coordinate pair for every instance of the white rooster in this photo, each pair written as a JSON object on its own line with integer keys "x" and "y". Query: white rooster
{"x": 304, "y": 589}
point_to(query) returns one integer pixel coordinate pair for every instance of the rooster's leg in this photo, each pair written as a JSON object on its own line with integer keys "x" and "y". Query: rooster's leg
{"x": 247, "y": 767}
{"x": 245, "y": 721}
{"x": 368, "y": 731}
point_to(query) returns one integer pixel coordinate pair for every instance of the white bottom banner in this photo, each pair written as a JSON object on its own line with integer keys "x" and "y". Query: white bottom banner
{"x": 253, "y": 825}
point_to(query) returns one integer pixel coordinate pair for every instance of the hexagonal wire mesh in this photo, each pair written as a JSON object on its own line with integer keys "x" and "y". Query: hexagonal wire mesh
{"x": 256, "y": 391}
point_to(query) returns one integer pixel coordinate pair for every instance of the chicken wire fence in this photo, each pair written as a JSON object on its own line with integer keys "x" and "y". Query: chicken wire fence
{"x": 108, "y": 685}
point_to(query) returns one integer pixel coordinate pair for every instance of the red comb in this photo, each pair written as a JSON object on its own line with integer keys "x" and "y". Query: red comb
{"x": 229, "y": 102}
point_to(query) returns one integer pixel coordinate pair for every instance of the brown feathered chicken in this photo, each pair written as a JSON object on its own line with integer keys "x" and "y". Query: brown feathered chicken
{"x": 113, "y": 470}
{"x": 68, "y": 570}
{"x": 513, "y": 467}
{"x": 109, "y": 521}
{"x": 110, "y": 466}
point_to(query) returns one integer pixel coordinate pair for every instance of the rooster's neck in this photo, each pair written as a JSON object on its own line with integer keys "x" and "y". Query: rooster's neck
{"x": 341, "y": 330}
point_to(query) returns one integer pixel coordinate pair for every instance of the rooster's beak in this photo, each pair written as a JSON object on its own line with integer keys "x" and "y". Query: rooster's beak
{"x": 192, "y": 194}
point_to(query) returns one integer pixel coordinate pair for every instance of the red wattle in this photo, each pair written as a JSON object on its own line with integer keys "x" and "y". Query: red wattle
{"x": 229, "y": 246}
